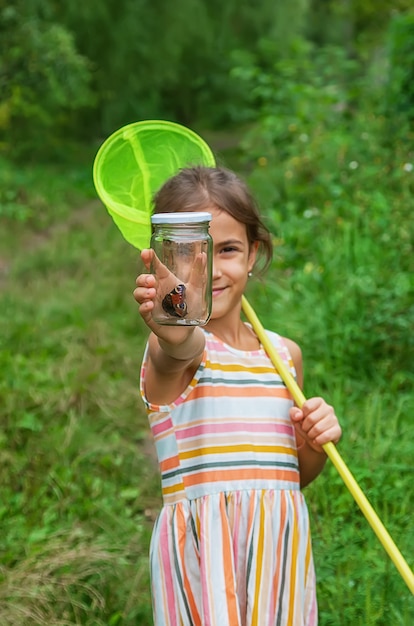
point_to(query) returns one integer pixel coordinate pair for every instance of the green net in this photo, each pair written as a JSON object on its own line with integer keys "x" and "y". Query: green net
{"x": 133, "y": 163}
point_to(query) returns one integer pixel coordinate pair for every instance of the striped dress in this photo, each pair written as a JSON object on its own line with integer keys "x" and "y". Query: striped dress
{"x": 231, "y": 545}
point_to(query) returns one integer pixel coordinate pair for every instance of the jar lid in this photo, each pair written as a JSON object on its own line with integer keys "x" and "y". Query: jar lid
{"x": 183, "y": 217}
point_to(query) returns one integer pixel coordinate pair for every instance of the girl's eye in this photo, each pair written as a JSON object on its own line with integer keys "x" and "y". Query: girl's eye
{"x": 229, "y": 249}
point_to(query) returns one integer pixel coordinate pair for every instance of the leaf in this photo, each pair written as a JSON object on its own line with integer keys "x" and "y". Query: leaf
{"x": 30, "y": 421}
{"x": 129, "y": 493}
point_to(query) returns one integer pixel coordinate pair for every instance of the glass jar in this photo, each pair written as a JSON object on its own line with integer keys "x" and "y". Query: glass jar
{"x": 182, "y": 265}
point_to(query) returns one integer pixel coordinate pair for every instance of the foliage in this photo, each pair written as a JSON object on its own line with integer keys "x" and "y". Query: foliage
{"x": 335, "y": 178}
{"x": 28, "y": 192}
{"x": 81, "y": 70}
{"x": 331, "y": 159}
{"x": 79, "y": 485}
{"x": 337, "y": 196}
{"x": 401, "y": 91}
{"x": 43, "y": 80}
{"x": 356, "y": 26}
{"x": 78, "y": 488}
{"x": 168, "y": 60}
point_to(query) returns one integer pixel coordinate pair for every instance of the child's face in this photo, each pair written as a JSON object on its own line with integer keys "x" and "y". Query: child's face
{"x": 233, "y": 259}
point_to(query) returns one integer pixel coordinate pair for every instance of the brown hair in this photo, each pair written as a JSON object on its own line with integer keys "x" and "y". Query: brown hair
{"x": 198, "y": 188}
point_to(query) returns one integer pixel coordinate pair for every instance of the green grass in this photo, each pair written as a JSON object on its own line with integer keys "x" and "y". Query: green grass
{"x": 79, "y": 485}
{"x": 342, "y": 286}
{"x": 79, "y": 490}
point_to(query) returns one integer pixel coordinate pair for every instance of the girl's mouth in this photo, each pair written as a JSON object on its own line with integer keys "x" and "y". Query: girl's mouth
{"x": 217, "y": 291}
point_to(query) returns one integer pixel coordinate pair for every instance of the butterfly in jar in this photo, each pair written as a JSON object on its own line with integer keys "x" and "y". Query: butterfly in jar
{"x": 174, "y": 302}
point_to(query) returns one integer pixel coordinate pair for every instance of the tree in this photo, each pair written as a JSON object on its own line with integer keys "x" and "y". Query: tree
{"x": 43, "y": 79}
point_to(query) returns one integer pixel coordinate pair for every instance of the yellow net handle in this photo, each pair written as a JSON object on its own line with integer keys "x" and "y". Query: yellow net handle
{"x": 331, "y": 451}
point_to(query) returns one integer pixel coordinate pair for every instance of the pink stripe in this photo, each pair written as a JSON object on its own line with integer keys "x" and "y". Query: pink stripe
{"x": 236, "y": 532}
{"x": 195, "y": 431}
{"x": 161, "y": 427}
{"x": 313, "y": 615}
{"x": 169, "y": 584}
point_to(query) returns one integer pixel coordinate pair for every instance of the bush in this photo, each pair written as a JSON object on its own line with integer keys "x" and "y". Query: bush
{"x": 336, "y": 195}
{"x": 400, "y": 92}
{"x": 43, "y": 80}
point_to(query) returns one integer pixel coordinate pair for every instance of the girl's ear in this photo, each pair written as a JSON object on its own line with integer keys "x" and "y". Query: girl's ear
{"x": 252, "y": 255}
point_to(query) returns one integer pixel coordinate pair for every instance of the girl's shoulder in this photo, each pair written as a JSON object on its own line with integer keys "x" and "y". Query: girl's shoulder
{"x": 284, "y": 344}
{"x": 292, "y": 356}
{"x": 292, "y": 347}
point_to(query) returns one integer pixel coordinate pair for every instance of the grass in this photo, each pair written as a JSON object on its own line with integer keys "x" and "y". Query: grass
{"x": 79, "y": 491}
{"x": 343, "y": 289}
{"x": 79, "y": 485}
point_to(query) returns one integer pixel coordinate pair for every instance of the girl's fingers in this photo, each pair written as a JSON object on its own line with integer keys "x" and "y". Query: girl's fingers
{"x": 159, "y": 269}
{"x": 198, "y": 274}
{"x": 143, "y": 295}
{"x": 145, "y": 281}
{"x": 316, "y": 421}
{"x": 324, "y": 430}
{"x": 145, "y": 288}
{"x": 147, "y": 257}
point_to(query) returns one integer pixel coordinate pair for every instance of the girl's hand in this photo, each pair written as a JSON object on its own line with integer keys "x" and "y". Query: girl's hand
{"x": 145, "y": 291}
{"x": 316, "y": 423}
{"x": 147, "y": 294}
{"x": 172, "y": 349}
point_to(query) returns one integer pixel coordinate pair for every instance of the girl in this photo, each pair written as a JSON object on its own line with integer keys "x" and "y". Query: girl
{"x": 231, "y": 546}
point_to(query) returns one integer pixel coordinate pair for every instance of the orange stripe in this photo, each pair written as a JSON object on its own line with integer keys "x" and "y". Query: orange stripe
{"x": 232, "y": 605}
{"x": 195, "y": 616}
{"x": 240, "y": 474}
{"x": 171, "y": 463}
{"x": 240, "y": 391}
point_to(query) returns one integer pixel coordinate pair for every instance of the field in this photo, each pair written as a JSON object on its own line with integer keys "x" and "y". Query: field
{"x": 79, "y": 487}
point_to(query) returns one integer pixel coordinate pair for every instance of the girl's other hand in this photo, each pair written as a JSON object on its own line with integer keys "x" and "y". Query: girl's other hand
{"x": 316, "y": 423}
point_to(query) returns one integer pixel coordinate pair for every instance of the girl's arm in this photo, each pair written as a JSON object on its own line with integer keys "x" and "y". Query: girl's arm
{"x": 315, "y": 424}
{"x": 174, "y": 352}
{"x": 171, "y": 366}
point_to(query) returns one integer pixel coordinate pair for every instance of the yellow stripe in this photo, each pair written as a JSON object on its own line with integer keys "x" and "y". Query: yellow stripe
{"x": 308, "y": 558}
{"x": 293, "y": 560}
{"x": 258, "y": 566}
{"x": 190, "y": 454}
{"x": 173, "y": 488}
{"x": 235, "y": 367}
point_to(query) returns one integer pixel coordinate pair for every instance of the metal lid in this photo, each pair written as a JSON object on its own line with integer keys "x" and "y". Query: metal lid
{"x": 181, "y": 218}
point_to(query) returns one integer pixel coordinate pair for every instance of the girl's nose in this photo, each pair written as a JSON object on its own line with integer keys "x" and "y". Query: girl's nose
{"x": 216, "y": 270}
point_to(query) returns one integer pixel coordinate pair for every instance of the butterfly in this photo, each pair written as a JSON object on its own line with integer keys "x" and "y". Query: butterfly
{"x": 174, "y": 302}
